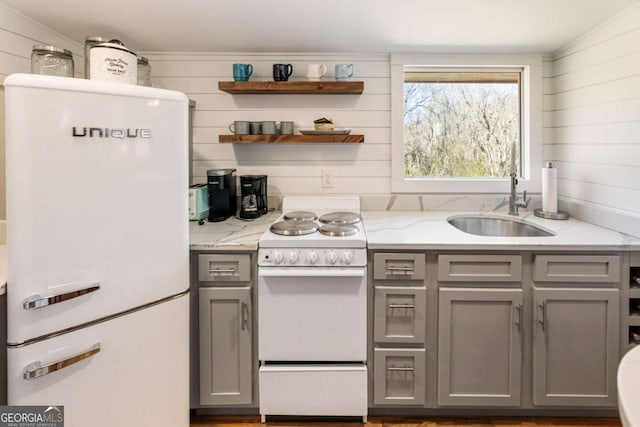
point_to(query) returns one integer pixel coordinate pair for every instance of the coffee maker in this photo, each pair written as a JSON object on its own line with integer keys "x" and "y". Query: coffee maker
{"x": 222, "y": 194}
{"x": 253, "y": 196}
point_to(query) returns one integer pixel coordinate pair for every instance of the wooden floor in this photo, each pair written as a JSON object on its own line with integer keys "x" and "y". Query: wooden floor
{"x": 254, "y": 421}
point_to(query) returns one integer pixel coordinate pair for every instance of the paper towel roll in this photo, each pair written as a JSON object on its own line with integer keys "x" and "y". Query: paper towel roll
{"x": 550, "y": 188}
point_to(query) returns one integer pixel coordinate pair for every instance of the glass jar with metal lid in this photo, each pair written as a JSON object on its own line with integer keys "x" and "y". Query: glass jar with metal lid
{"x": 144, "y": 71}
{"x": 51, "y": 61}
{"x": 89, "y": 42}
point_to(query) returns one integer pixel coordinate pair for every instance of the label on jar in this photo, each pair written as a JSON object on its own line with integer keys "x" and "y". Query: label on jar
{"x": 113, "y": 65}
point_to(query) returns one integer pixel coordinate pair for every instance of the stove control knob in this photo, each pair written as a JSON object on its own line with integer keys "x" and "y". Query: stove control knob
{"x": 347, "y": 257}
{"x": 278, "y": 257}
{"x": 313, "y": 257}
{"x": 293, "y": 257}
{"x": 332, "y": 257}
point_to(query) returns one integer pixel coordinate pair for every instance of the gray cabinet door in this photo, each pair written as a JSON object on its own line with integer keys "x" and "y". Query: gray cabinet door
{"x": 225, "y": 346}
{"x": 399, "y": 376}
{"x": 399, "y": 314}
{"x": 480, "y": 347}
{"x": 575, "y": 348}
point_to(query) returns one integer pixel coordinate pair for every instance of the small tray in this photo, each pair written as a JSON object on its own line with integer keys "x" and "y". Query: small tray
{"x": 336, "y": 131}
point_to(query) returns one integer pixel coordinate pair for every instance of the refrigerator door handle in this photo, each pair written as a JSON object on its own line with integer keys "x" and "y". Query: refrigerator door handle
{"x": 36, "y": 370}
{"x": 37, "y": 301}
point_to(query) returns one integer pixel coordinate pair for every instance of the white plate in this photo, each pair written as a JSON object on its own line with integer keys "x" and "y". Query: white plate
{"x": 336, "y": 131}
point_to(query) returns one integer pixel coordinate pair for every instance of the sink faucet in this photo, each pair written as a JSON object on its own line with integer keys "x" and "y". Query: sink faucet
{"x": 514, "y": 203}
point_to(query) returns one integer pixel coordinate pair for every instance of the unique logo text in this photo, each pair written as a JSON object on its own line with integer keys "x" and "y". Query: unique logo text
{"x": 120, "y": 133}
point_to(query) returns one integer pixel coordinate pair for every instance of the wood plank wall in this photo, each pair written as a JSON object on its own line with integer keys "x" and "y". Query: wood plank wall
{"x": 362, "y": 169}
{"x": 591, "y": 119}
{"x": 593, "y": 122}
{"x": 18, "y": 34}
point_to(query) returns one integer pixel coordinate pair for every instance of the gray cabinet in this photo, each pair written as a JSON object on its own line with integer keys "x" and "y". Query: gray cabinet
{"x": 577, "y": 268}
{"x": 398, "y": 266}
{"x": 225, "y": 340}
{"x": 479, "y": 268}
{"x": 576, "y": 346}
{"x": 479, "y": 347}
{"x": 399, "y": 329}
{"x": 399, "y": 314}
{"x": 224, "y": 268}
{"x": 399, "y": 376}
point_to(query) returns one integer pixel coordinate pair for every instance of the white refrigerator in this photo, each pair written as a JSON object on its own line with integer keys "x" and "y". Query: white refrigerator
{"x": 97, "y": 238}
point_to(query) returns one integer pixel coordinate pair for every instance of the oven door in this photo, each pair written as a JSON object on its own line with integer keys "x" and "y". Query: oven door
{"x": 312, "y": 314}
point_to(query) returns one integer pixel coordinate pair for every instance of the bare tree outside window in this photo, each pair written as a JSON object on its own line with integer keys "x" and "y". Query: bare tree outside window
{"x": 460, "y": 124}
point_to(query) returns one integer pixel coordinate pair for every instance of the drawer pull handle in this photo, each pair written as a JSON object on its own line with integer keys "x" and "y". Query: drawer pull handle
{"x": 37, "y": 301}
{"x": 408, "y": 271}
{"x": 400, "y": 369}
{"x": 412, "y": 306}
{"x": 543, "y": 314}
{"x": 519, "y": 321}
{"x": 244, "y": 316}
{"x": 35, "y": 369}
{"x": 221, "y": 271}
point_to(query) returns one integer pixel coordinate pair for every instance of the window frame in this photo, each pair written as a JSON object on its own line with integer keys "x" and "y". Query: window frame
{"x": 531, "y": 121}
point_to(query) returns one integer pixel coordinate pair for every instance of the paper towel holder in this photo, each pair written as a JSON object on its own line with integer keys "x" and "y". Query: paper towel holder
{"x": 559, "y": 215}
{"x": 550, "y": 215}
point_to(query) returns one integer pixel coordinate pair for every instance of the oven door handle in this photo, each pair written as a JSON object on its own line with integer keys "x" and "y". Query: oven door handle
{"x": 310, "y": 272}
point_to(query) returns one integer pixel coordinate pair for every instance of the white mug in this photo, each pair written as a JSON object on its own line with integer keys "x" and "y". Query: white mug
{"x": 316, "y": 71}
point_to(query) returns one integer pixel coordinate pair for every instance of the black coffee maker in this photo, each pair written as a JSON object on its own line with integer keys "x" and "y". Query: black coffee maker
{"x": 222, "y": 194}
{"x": 254, "y": 196}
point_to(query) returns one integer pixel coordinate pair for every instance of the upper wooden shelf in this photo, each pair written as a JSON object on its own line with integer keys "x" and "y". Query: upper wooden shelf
{"x": 293, "y": 87}
{"x": 290, "y": 139}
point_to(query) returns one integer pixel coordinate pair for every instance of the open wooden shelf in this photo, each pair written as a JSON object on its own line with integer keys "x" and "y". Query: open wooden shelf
{"x": 291, "y": 139}
{"x": 293, "y": 87}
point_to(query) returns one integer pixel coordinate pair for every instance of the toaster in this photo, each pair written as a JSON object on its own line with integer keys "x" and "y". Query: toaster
{"x": 198, "y": 202}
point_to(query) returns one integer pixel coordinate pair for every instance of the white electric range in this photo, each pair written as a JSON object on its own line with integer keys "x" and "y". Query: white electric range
{"x": 312, "y": 308}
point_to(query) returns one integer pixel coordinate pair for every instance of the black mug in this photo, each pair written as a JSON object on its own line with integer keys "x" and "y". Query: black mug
{"x": 281, "y": 72}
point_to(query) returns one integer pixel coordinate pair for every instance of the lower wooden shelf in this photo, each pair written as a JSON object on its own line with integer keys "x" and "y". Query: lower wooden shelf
{"x": 291, "y": 139}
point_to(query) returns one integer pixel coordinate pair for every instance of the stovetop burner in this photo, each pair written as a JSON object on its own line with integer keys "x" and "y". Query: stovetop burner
{"x": 341, "y": 218}
{"x": 300, "y": 216}
{"x": 290, "y": 227}
{"x": 298, "y": 229}
{"x": 338, "y": 230}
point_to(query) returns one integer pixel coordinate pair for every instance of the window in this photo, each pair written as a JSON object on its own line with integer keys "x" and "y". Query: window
{"x": 461, "y": 127}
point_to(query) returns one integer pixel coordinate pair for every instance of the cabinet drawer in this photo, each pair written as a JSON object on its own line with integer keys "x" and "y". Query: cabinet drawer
{"x": 399, "y": 376}
{"x": 577, "y": 268}
{"x": 398, "y": 266}
{"x": 479, "y": 268}
{"x": 399, "y": 314}
{"x": 224, "y": 268}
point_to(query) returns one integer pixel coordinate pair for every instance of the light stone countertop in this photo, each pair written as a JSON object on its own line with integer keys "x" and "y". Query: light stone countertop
{"x": 430, "y": 230}
{"x": 232, "y": 234}
{"x": 422, "y": 231}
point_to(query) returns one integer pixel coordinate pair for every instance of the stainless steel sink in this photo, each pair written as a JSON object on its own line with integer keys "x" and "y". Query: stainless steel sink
{"x": 495, "y": 226}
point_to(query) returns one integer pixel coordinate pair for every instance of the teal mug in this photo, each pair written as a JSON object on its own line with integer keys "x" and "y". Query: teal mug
{"x": 242, "y": 72}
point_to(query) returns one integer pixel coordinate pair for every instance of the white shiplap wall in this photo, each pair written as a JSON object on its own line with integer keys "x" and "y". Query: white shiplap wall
{"x": 18, "y": 34}
{"x": 594, "y": 132}
{"x": 362, "y": 169}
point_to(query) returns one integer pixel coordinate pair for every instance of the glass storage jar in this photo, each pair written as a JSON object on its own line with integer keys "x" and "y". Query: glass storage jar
{"x": 89, "y": 42}
{"x": 51, "y": 61}
{"x": 144, "y": 71}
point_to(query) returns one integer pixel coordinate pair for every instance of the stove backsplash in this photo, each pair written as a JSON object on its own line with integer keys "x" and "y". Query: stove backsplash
{"x": 429, "y": 202}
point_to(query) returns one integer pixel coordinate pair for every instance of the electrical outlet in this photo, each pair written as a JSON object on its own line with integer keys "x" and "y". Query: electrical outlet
{"x": 327, "y": 178}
